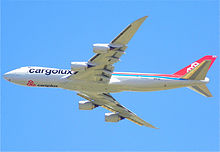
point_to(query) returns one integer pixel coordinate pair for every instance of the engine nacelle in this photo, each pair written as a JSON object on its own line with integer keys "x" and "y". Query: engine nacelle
{"x": 112, "y": 117}
{"x": 78, "y": 66}
{"x": 86, "y": 105}
{"x": 101, "y": 48}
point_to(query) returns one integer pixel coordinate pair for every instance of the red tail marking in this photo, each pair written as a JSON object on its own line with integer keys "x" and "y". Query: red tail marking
{"x": 194, "y": 64}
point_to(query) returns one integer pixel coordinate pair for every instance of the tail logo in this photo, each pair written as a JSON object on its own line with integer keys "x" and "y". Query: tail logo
{"x": 192, "y": 66}
{"x": 31, "y": 83}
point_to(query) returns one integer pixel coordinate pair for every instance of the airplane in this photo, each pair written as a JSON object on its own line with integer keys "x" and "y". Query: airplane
{"x": 95, "y": 80}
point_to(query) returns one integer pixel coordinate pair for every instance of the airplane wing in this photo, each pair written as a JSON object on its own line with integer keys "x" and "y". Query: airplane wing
{"x": 106, "y": 101}
{"x": 100, "y": 66}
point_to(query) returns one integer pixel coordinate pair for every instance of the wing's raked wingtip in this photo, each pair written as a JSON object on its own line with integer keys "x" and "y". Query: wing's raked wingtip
{"x": 142, "y": 19}
{"x": 151, "y": 126}
{"x": 155, "y": 127}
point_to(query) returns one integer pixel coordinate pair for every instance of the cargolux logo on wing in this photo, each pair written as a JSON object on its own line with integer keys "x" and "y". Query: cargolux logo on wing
{"x": 31, "y": 83}
{"x": 192, "y": 66}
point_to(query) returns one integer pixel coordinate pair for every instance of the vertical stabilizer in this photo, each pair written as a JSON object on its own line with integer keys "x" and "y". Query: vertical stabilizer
{"x": 190, "y": 67}
{"x": 199, "y": 72}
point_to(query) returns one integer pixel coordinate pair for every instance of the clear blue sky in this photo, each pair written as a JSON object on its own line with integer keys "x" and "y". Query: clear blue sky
{"x": 53, "y": 33}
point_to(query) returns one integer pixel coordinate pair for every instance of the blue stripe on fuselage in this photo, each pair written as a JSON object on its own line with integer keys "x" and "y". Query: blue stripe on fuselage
{"x": 147, "y": 76}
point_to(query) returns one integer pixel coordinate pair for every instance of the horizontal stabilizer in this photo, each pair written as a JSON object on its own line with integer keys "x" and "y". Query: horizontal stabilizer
{"x": 201, "y": 89}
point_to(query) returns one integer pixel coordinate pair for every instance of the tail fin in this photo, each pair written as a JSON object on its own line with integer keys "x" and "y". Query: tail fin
{"x": 190, "y": 67}
{"x": 197, "y": 71}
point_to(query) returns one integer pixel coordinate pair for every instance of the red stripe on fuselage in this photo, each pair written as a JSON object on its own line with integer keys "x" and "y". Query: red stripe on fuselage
{"x": 148, "y": 74}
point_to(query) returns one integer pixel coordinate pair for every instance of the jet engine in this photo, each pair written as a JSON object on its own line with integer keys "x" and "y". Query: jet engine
{"x": 86, "y": 105}
{"x": 112, "y": 117}
{"x": 101, "y": 48}
{"x": 78, "y": 66}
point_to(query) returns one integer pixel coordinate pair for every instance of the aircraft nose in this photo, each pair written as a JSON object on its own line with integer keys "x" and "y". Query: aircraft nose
{"x": 8, "y": 76}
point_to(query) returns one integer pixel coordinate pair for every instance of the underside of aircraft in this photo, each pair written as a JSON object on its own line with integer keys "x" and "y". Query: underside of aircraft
{"x": 94, "y": 80}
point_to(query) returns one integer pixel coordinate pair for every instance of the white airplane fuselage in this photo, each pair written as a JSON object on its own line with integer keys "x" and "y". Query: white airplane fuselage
{"x": 95, "y": 80}
{"x": 120, "y": 81}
